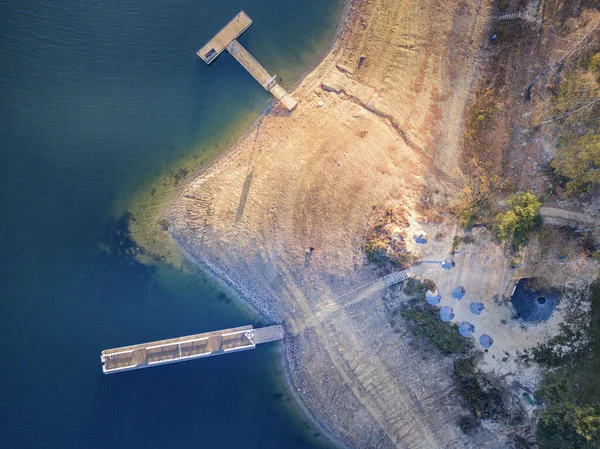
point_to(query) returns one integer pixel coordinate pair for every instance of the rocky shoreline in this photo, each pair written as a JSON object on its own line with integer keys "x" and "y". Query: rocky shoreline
{"x": 379, "y": 121}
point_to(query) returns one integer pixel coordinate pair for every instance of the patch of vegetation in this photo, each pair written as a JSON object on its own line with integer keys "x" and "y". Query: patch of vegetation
{"x": 571, "y": 393}
{"x": 579, "y": 161}
{"x": 179, "y": 175}
{"x": 564, "y": 423}
{"x": 577, "y": 106}
{"x": 415, "y": 289}
{"x": 456, "y": 242}
{"x": 468, "y": 238}
{"x": 482, "y": 162}
{"x": 118, "y": 241}
{"x": 423, "y": 321}
{"x": 386, "y": 242}
{"x": 468, "y": 424}
{"x": 476, "y": 201}
{"x": 428, "y": 284}
{"x": 483, "y": 397}
{"x": 377, "y": 250}
{"x": 514, "y": 226}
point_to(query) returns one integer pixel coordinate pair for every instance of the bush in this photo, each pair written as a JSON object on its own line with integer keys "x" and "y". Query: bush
{"x": 577, "y": 105}
{"x": 424, "y": 321}
{"x": 376, "y": 250}
{"x": 456, "y": 242}
{"x": 566, "y": 425}
{"x": 515, "y": 225}
{"x": 484, "y": 399}
{"x": 468, "y": 424}
{"x": 579, "y": 160}
{"x": 571, "y": 394}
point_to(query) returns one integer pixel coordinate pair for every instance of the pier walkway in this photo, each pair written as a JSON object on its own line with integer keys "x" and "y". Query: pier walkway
{"x": 226, "y": 39}
{"x": 186, "y": 348}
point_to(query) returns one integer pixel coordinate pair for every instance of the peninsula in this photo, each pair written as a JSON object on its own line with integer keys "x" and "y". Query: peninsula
{"x": 370, "y": 170}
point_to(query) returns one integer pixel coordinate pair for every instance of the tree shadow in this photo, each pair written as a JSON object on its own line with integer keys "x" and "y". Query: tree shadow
{"x": 244, "y": 197}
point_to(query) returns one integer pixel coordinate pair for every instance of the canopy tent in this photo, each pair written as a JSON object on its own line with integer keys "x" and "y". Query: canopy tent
{"x": 533, "y": 303}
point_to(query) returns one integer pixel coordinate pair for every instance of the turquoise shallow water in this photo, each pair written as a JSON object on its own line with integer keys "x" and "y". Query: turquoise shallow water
{"x": 98, "y": 97}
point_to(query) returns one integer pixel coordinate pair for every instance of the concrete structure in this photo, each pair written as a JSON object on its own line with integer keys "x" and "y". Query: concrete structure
{"x": 186, "y": 348}
{"x": 226, "y": 39}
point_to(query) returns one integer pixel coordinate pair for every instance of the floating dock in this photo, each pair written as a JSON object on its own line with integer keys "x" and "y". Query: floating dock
{"x": 226, "y": 39}
{"x": 187, "y": 348}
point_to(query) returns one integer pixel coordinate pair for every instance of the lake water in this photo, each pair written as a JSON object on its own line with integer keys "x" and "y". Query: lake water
{"x": 97, "y": 98}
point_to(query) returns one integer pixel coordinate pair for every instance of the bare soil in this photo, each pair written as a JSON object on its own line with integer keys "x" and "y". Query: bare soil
{"x": 378, "y": 122}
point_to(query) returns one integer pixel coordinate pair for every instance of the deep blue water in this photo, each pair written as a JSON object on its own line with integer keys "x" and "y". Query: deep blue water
{"x": 98, "y": 97}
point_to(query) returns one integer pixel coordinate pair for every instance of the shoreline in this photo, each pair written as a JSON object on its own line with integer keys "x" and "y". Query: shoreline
{"x": 248, "y": 300}
{"x": 244, "y": 297}
{"x": 258, "y": 248}
{"x": 134, "y": 205}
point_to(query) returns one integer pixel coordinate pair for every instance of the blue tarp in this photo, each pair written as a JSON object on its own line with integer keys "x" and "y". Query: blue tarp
{"x": 432, "y": 297}
{"x": 486, "y": 341}
{"x": 458, "y": 292}
{"x": 420, "y": 239}
{"x": 476, "y": 308}
{"x": 466, "y": 329}
{"x": 446, "y": 313}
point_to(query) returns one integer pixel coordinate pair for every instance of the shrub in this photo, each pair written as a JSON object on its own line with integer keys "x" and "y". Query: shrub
{"x": 424, "y": 321}
{"x": 376, "y": 250}
{"x": 579, "y": 160}
{"x": 483, "y": 397}
{"x": 515, "y": 225}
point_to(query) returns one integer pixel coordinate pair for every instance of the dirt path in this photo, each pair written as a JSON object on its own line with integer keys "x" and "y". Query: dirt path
{"x": 377, "y": 122}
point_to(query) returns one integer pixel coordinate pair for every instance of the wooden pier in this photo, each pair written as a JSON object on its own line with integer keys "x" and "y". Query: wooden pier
{"x": 226, "y": 39}
{"x": 187, "y": 348}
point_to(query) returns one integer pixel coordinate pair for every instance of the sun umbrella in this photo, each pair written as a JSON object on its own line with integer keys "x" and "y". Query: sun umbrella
{"x": 486, "y": 341}
{"x": 432, "y": 297}
{"x": 448, "y": 263}
{"x": 476, "y": 308}
{"x": 466, "y": 329}
{"x": 458, "y": 292}
{"x": 446, "y": 313}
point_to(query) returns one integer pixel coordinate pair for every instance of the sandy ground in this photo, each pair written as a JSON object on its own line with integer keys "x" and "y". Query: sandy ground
{"x": 488, "y": 278}
{"x": 378, "y": 123}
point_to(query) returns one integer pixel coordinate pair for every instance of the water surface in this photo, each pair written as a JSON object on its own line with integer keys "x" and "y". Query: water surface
{"x": 98, "y": 97}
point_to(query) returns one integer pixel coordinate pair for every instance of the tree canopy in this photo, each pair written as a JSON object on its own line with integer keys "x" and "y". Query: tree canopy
{"x": 515, "y": 225}
{"x": 580, "y": 162}
{"x": 577, "y": 104}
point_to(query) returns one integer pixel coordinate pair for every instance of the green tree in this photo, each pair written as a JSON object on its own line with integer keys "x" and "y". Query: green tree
{"x": 580, "y": 162}
{"x": 566, "y": 425}
{"x": 515, "y": 225}
{"x": 577, "y": 106}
